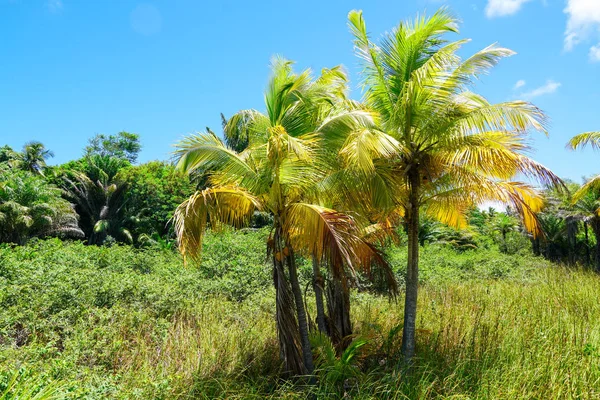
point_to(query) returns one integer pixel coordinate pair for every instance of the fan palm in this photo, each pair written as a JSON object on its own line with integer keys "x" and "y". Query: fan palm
{"x": 452, "y": 149}
{"x": 278, "y": 172}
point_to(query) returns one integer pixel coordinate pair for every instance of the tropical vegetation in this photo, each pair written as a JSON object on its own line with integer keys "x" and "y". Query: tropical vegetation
{"x": 323, "y": 246}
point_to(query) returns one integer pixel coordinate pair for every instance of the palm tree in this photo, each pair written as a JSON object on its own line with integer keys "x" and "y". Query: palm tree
{"x": 287, "y": 155}
{"x": 100, "y": 206}
{"x": 587, "y": 209}
{"x": 33, "y": 157}
{"x": 504, "y": 224}
{"x": 587, "y": 199}
{"x": 29, "y": 207}
{"x": 99, "y": 198}
{"x": 452, "y": 149}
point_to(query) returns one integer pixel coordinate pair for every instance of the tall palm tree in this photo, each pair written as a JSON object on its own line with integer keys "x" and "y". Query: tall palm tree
{"x": 33, "y": 157}
{"x": 452, "y": 149}
{"x": 287, "y": 155}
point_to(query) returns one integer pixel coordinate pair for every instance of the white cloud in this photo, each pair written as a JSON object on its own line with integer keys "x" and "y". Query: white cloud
{"x": 595, "y": 53}
{"x": 54, "y": 5}
{"x": 549, "y": 88}
{"x": 501, "y": 8}
{"x": 520, "y": 83}
{"x": 582, "y": 22}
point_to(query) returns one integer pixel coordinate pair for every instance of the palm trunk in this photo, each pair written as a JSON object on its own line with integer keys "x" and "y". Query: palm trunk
{"x": 588, "y": 259}
{"x": 535, "y": 245}
{"x": 572, "y": 238}
{"x": 338, "y": 304}
{"x": 318, "y": 288}
{"x": 596, "y": 229}
{"x": 412, "y": 269}
{"x": 287, "y": 326}
{"x": 301, "y": 314}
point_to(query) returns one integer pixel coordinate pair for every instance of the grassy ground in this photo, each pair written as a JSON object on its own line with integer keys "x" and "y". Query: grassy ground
{"x": 82, "y": 322}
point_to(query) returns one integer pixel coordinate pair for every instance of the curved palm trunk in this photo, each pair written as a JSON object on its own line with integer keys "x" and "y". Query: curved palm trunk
{"x": 301, "y": 314}
{"x": 412, "y": 269}
{"x": 318, "y": 288}
{"x": 287, "y": 326}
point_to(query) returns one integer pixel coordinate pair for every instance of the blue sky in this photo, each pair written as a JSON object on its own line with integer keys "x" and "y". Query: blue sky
{"x": 72, "y": 68}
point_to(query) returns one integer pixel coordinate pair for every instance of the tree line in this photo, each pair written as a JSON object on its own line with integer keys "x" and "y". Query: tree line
{"x": 336, "y": 180}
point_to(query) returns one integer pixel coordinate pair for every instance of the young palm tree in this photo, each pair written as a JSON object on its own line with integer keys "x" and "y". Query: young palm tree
{"x": 452, "y": 149}
{"x": 278, "y": 172}
{"x": 504, "y": 224}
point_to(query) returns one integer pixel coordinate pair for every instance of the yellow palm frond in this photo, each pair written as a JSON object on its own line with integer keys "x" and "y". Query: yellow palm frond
{"x": 365, "y": 145}
{"x": 321, "y": 232}
{"x": 206, "y": 152}
{"x": 221, "y": 205}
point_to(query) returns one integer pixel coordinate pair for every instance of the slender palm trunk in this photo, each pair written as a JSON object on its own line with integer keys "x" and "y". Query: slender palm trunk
{"x": 535, "y": 245}
{"x": 572, "y": 238}
{"x": 318, "y": 288}
{"x": 588, "y": 258}
{"x": 301, "y": 314}
{"x": 412, "y": 269}
{"x": 287, "y": 326}
{"x": 596, "y": 229}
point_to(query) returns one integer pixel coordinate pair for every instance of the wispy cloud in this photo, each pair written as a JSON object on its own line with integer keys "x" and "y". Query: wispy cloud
{"x": 54, "y": 5}
{"x": 583, "y": 21}
{"x": 520, "y": 83}
{"x": 502, "y": 8}
{"x": 549, "y": 88}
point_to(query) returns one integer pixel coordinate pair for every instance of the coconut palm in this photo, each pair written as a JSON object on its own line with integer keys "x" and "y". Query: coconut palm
{"x": 451, "y": 148}
{"x": 33, "y": 157}
{"x": 587, "y": 198}
{"x": 503, "y": 224}
{"x": 278, "y": 172}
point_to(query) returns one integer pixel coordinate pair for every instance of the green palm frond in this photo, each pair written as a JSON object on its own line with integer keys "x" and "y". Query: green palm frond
{"x": 584, "y": 139}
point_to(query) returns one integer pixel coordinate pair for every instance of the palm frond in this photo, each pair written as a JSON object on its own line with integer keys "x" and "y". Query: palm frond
{"x": 224, "y": 205}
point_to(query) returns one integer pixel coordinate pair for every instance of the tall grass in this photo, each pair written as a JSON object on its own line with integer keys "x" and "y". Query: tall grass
{"x": 138, "y": 327}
